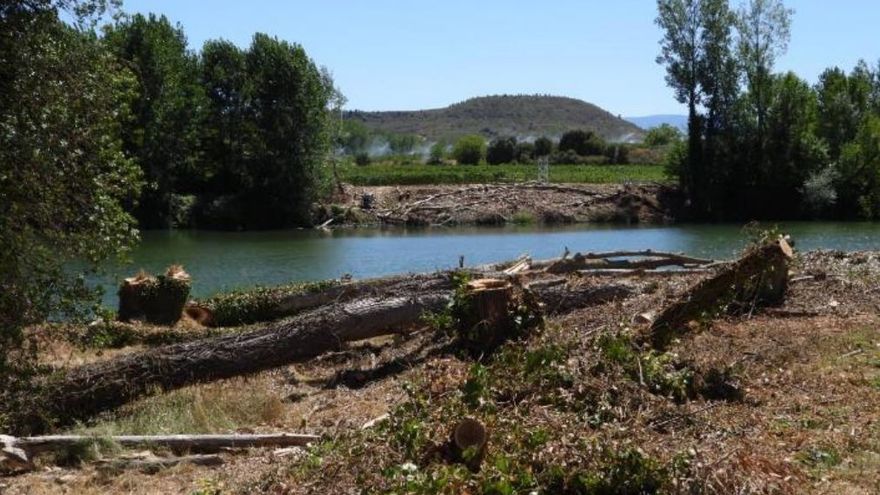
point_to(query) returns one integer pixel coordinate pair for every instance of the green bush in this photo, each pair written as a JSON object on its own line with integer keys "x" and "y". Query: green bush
{"x": 663, "y": 135}
{"x": 501, "y": 150}
{"x": 469, "y": 150}
{"x": 583, "y": 143}
{"x": 362, "y": 159}
{"x": 543, "y": 146}
{"x": 525, "y": 152}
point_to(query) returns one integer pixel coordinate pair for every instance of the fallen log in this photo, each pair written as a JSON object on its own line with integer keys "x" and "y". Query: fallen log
{"x": 97, "y": 387}
{"x": 603, "y": 261}
{"x": 89, "y": 389}
{"x": 26, "y": 448}
{"x": 760, "y": 277}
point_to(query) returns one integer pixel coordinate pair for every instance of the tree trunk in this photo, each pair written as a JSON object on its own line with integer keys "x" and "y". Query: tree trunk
{"x": 101, "y": 386}
{"x": 486, "y": 318}
{"x": 760, "y": 277}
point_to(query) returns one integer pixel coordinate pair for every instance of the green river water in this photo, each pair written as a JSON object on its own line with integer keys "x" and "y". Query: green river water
{"x": 220, "y": 261}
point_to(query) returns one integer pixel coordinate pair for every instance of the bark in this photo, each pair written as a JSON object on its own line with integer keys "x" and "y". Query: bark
{"x": 33, "y": 446}
{"x": 97, "y": 387}
{"x": 760, "y": 277}
{"x": 486, "y": 318}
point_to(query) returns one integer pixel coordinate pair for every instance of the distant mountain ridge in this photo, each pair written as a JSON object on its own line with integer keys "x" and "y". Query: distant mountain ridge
{"x": 523, "y": 116}
{"x": 649, "y": 121}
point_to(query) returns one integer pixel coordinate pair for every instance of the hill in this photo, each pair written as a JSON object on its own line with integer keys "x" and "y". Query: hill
{"x": 649, "y": 121}
{"x": 505, "y": 115}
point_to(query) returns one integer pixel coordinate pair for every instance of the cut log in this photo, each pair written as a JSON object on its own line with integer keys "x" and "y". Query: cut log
{"x": 92, "y": 388}
{"x": 158, "y": 300}
{"x": 760, "y": 277}
{"x": 29, "y": 447}
{"x": 581, "y": 262}
{"x": 468, "y": 443}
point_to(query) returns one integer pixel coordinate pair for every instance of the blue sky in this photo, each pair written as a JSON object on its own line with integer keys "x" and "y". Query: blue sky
{"x": 405, "y": 55}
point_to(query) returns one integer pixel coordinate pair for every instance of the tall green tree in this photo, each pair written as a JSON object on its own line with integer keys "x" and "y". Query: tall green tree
{"x": 164, "y": 136}
{"x": 287, "y": 101}
{"x": 225, "y": 127}
{"x": 63, "y": 173}
{"x": 764, "y": 31}
{"x": 682, "y": 23}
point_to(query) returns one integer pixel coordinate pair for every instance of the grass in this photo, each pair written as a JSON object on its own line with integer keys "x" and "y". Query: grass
{"x": 210, "y": 408}
{"x": 387, "y": 174}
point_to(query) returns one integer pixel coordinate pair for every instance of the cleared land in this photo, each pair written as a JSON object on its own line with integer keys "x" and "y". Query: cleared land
{"x": 784, "y": 400}
{"x": 387, "y": 175}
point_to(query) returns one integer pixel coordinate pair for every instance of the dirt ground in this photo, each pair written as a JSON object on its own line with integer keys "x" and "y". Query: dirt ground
{"x": 491, "y": 204}
{"x": 796, "y": 411}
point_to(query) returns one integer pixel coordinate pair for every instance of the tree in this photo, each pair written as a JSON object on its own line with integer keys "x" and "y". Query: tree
{"x": 525, "y": 152}
{"x": 662, "y": 135}
{"x": 764, "y": 30}
{"x": 287, "y": 104}
{"x": 858, "y": 174}
{"x": 164, "y": 136}
{"x": 437, "y": 153}
{"x": 543, "y": 146}
{"x": 501, "y": 150}
{"x": 681, "y": 23}
{"x": 63, "y": 174}
{"x": 469, "y": 150}
{"x": 225, "y": 130}
{"x": 584, "y": 143}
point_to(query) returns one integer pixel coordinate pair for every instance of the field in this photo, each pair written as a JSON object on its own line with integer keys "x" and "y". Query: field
{"x": 388, "y": 174}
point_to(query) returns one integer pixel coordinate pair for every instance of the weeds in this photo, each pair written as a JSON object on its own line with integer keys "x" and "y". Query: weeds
{"x": 258, "y": 304}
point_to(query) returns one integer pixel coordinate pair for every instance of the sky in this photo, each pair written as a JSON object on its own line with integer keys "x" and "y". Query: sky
{"x": 410, "y": 55}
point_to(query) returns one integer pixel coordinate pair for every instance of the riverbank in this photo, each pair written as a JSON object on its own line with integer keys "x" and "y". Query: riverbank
{"x": 498, "y": 204}
{"x": 781, "y": 400}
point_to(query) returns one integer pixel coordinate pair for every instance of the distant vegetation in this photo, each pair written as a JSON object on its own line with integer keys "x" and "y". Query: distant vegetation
{"x": 409, "y": 173}
{"x": 521, "y": 116}
{"x": 762, "y": 144}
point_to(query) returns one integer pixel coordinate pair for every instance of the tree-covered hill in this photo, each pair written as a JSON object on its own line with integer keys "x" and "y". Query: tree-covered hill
{"x": 503, "y": 115}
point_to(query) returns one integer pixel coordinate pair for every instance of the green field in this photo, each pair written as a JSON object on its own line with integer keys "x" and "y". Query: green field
{"x": 386, "y": 174}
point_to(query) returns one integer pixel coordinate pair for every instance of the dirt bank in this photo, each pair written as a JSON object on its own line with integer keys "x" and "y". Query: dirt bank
{"x": 492, "y": 204}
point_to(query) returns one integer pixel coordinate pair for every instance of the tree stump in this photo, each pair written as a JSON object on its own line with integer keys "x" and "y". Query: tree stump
{"x": 158, "y": 300}
{"x": 485, "y": 313}
{"x": 468, "y": 443}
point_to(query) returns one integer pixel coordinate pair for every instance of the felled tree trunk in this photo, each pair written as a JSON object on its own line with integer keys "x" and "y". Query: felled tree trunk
{"x": 97, "y": 387}
{"x": 759, "y": 278}
{"x": 92, "y": 388}
{"x": 158, "y": 300}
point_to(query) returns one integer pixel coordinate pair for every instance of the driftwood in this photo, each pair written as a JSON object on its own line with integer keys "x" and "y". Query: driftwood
{"x": 760, "y": 277}
{"x": 22, "y": 450}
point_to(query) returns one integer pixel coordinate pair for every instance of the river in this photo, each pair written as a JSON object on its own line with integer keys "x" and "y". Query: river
{"x": 220, "y": 261}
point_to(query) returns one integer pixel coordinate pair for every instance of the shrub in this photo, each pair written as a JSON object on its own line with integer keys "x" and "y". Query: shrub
{"x": 469, "y": 150}
{"x": 437, "y": 153}
{"x": 663, "y": 135}
{"x": 525, "y": 152}
{"x": 584, "y": 143}
{"x": 362, "y": 159}
{"x": 501, "y": 150}
{"x": 617, "y": 154}
{"x": 543, "y": 146}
